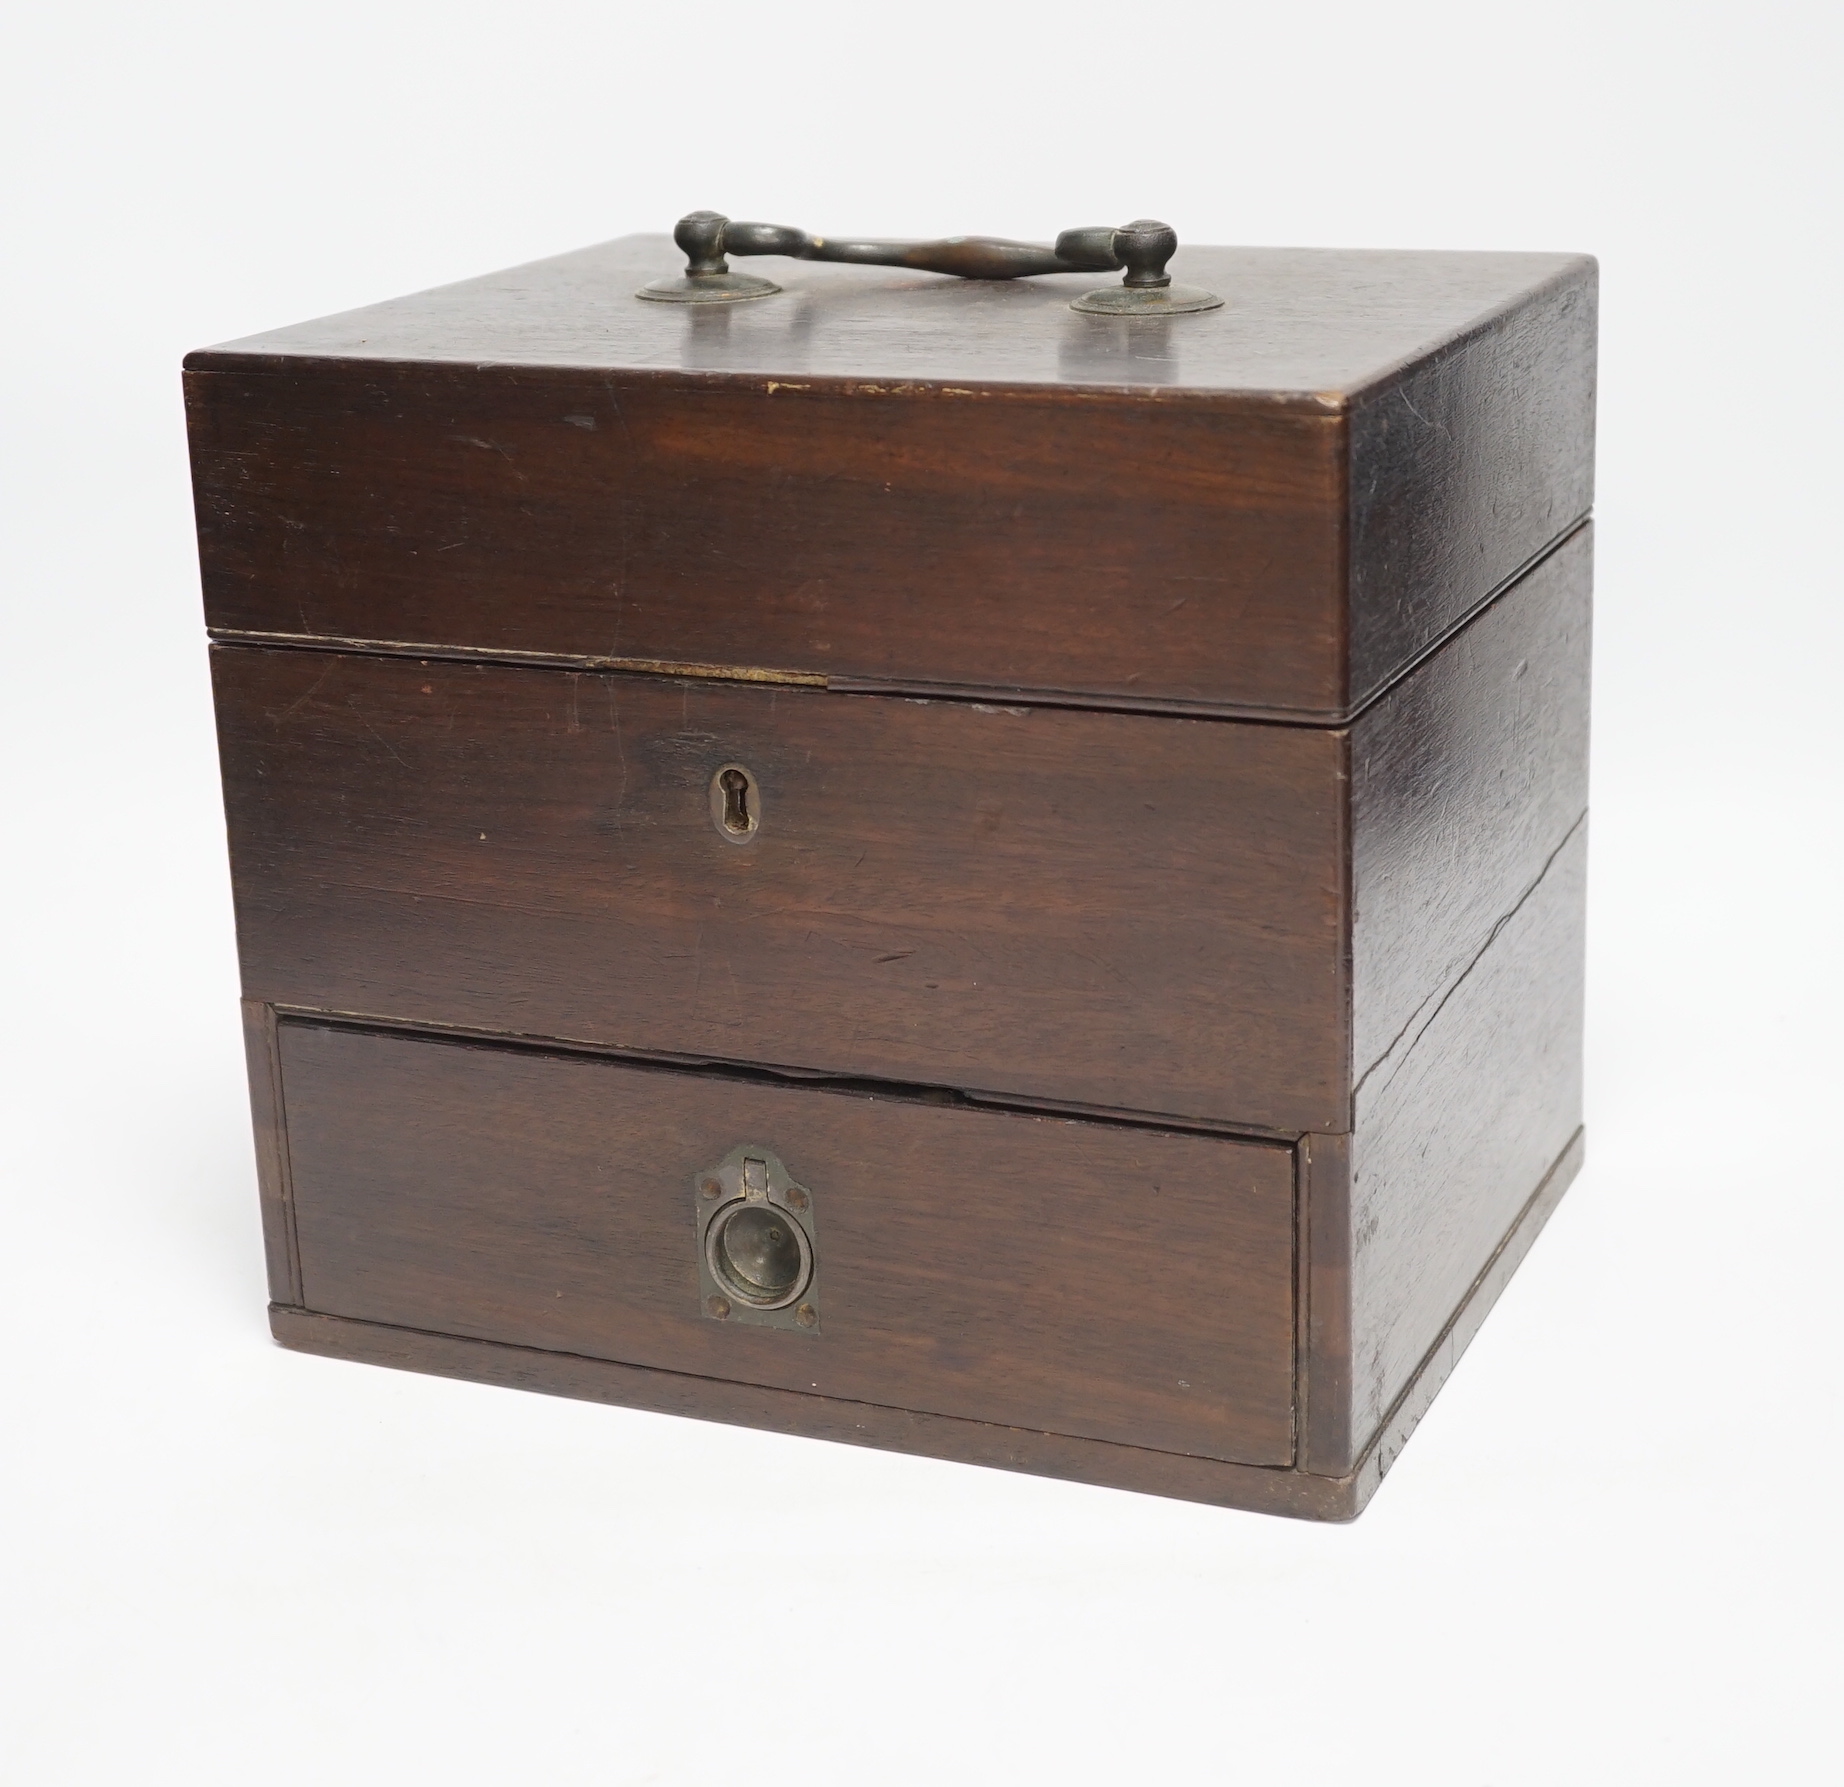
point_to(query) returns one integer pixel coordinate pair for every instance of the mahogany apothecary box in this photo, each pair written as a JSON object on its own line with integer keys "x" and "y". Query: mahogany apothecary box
{"x": 905, "y": 862}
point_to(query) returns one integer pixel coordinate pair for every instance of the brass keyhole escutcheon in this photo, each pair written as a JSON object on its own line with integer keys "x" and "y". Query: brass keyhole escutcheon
{"x": 736, "y": 803}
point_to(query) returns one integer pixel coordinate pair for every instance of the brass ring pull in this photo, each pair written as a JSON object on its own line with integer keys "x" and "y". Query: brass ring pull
{"x": 1141, "y": 248}
{"x": 758, "y": 1259}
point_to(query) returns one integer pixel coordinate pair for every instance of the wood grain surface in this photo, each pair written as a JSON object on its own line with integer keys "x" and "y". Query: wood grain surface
{"x": 504, "y": 574}
{"x": 1436, "y": 1366}
{"x": 1465, "y": 779}
{"x": 1267, "y": 1489}
{"x": 262, "y": 1059}
{"x": 1295, "y": 320}
{"x": 1093, "y": 908}
{"x": 1452, "y": 1132}
{"x": 1302, "y": 1494}
{"x": 1269, "y": 509}
{"x": 1323, "y": 1167}
{"x": 1110, "y": 1281}
{"x": 1480, "y": 453}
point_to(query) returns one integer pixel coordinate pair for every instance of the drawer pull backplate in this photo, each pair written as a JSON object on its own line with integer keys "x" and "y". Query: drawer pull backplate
{"x": 757, "y": 1257}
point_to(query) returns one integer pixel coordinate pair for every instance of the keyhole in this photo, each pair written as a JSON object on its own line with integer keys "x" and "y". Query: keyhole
{"x": 736, "y": 803}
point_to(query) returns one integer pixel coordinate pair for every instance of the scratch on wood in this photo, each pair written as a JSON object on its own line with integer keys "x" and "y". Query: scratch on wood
{"x": 1454, "y": 986}
{"x": 294, "y": 707}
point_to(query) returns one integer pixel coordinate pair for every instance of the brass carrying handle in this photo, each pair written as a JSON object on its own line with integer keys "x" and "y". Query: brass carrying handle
{"x": 1141, "y": 248}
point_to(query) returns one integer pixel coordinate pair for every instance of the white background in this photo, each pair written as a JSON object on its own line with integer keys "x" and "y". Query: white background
{"x": 1610, "y": 1554}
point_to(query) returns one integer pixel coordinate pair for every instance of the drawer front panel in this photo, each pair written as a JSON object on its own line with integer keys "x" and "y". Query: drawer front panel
{"x": 1100, "y": 909}
{"x": 1099, "y": 1280}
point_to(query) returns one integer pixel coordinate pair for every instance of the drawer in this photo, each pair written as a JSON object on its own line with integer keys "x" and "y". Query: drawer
{"x": 1106, "y": 910}
{"x": 1101, "y": 1280}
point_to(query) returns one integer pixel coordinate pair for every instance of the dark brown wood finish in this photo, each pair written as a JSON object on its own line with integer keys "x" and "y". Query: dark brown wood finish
{"x": 1453, "y": 1131}
{"x": 1095, "y": 908}
{"x": 1272, "y": 508}
{"x": 1266, "y": 1489}
{"x": 912, "y": 538}
{"x": 262, "y": 1058}
{"x": 1324, "y": 1174}
{"x": 1412, "y": 1401}
{"x": 1285, "y": 950}
{"x": 1076, "y": 907}
{"x": 1465, "y": 779}
{"x": 1108, "y": 1281}
{"x": 1301, "y": 1494}
{"x": 1481, "y": 447}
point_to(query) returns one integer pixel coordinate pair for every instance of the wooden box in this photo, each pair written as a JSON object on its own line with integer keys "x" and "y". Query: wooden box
{"x": 904, "y": 863}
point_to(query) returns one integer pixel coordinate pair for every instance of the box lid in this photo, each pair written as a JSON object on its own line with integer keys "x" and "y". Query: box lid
{"x": 886, "y": 479}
